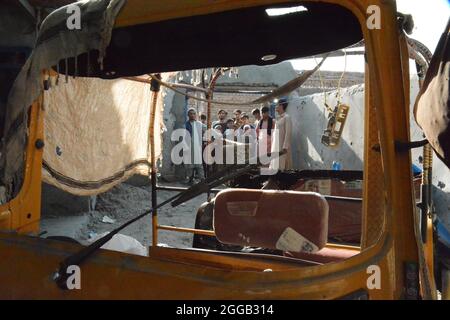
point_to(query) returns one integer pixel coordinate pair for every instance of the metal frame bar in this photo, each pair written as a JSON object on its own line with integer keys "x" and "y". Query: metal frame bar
{"x": 187, "y": 230}
{"x": 154, "y": 88}
{"x": 337, "y": 198}
{"x": 169, "y": 188}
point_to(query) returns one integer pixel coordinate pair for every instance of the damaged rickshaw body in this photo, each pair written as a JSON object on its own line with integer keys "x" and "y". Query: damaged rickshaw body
{"x": 391, "y": 262}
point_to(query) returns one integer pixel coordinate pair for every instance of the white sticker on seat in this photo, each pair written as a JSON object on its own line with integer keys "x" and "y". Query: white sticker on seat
{"x": 291, "y": 240}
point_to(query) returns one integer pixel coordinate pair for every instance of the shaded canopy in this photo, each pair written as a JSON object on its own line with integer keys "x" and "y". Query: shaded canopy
{"x": 229, "y": 38}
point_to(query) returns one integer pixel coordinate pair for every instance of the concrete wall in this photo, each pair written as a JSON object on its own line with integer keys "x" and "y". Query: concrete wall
{"x": 174, "y": 118}
{"x": 310, "y": 119}
{"x": 277, "y": 74}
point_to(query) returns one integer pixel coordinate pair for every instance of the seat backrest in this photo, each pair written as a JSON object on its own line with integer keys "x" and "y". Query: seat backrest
{"x": 284, "y": 220}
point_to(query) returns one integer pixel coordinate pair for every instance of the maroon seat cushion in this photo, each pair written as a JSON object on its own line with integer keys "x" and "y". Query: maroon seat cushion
{"x": 284, "y": 220}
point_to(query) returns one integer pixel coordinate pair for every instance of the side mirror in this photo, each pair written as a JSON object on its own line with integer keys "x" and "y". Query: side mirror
{"x": 283, "y": 220}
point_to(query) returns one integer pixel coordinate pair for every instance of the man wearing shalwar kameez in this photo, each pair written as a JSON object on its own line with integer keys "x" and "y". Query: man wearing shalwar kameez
{"x": 281, "y": 140}
{"x": 195, "y": 129}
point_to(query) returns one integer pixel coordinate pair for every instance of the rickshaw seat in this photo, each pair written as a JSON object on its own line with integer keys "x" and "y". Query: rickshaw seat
{"x": 283, "y": 220}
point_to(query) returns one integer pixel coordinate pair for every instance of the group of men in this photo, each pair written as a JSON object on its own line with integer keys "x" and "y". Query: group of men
{"x": 266, "y": 133}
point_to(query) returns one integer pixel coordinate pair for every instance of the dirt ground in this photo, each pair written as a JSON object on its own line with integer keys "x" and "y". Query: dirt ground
{"x": 121, "y": 204}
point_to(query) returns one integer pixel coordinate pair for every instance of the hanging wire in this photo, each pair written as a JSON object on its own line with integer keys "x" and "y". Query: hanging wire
{"x": 38, "y": 21}
{"x": 342, "y": 77}
{"x": 327, "y": 107}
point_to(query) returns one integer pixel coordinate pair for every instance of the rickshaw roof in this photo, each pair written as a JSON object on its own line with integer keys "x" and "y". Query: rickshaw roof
{"x": 163, "y": 36}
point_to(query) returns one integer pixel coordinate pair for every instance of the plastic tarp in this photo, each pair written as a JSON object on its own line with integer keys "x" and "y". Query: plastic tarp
{"x": 97, "y": 133}
{"x": 123, "y": 243}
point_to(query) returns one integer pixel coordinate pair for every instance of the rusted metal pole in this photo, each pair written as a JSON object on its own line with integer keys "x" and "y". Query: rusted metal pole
{"x": 211, "y": 88}
{"x": 209, "y": 97}
{"x": 154, "y": 87}
{"x": 169, "y": 188}
{"x": 188, "y": 230}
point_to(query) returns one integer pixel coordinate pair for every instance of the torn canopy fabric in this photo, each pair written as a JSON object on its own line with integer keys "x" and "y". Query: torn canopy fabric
{"x": 55, "y": 42}
{"x": 97, "y": 133}
{"x": 432, "y": 109}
